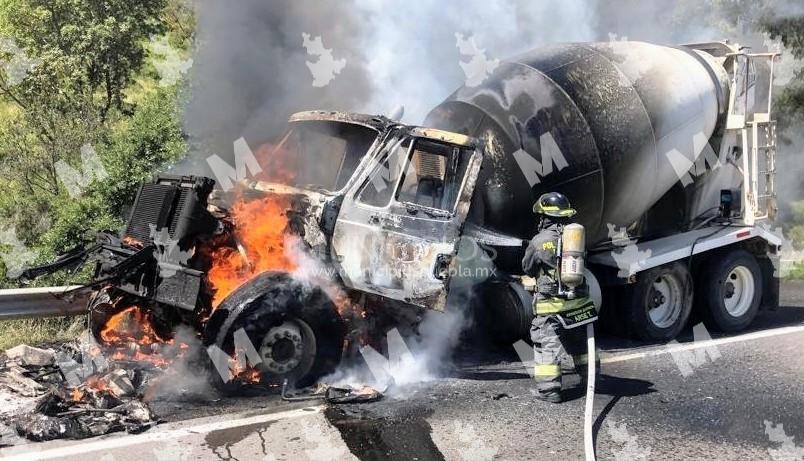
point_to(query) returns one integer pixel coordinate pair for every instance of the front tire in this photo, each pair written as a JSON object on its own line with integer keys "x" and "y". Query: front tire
{"x": 294, "y": 328}
{"x": 731, "y": 291}
{"x": 660, "y": 302}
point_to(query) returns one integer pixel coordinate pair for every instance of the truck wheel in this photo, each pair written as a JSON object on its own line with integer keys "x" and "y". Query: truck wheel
{"x": 660, "y": 302}
{"x": 731, "y": 289}
{"x": 295, "y": 329}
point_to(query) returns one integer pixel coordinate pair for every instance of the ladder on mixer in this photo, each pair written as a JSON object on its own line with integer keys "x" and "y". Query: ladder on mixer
{"x": 762, "y": 167}
{"x": 758, "y": 132}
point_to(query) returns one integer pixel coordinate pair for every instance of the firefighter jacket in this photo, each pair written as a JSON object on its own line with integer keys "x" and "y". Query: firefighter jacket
{"x": 541, "y": 262}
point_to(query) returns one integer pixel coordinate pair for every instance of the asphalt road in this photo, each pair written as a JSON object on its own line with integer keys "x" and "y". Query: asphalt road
{"x": 730, "y": 398}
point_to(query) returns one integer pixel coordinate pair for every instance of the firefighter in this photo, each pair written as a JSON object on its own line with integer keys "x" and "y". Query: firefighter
{"x": 554, "y": 331}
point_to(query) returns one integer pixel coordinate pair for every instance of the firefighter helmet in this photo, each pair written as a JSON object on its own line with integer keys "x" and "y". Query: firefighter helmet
{"x": 554, "y": 204}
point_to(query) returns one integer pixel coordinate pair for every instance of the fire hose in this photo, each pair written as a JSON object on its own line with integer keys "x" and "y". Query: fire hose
{"x": 588, "y": 436}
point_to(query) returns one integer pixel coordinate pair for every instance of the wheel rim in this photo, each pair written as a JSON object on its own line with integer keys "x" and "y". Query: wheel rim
{"x": 288, "y": 348}
{"x": 738, "y": 291}
{"x": 665, "y": 301}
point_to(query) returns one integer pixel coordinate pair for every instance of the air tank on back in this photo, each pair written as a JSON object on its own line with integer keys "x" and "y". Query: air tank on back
{"x": 603, "y": 123}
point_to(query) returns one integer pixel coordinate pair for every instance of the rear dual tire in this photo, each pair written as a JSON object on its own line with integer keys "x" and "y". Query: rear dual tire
{"x": 660, "y": 302}
{"x": 731, "y": 288}
{"x": 728, "y": 293}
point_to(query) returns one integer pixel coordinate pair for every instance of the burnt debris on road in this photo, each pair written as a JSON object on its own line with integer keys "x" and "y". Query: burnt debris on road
{"x": 74, "y": 392}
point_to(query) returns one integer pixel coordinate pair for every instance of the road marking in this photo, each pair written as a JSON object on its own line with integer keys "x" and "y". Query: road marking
{"x": 703, "y": 344}
{"x": 156, "y": 436}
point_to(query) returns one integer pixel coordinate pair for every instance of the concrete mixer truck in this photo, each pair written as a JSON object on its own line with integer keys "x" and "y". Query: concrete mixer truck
{"x": 667, "y": 153}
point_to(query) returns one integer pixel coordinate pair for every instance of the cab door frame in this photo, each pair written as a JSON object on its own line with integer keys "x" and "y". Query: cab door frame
{"x": 404, "y": 251}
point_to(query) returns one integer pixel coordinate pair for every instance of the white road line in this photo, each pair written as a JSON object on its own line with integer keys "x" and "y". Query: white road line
{"x": 703, "y": 344}
{"x": 155, "y": 436}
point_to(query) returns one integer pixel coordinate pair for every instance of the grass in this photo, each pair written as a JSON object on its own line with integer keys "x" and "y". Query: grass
{"x": 796, "y": 272}
{"x": 40, "y": 331}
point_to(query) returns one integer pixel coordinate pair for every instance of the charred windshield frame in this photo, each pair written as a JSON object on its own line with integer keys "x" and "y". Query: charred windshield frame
{"x": 456, "y": 162}
{"x": 390, "y": 147}
{"x": 358, "y": 141}
{"x": 456, "y": 166}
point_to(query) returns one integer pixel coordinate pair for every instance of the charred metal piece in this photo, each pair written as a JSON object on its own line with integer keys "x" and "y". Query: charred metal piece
{"x": 152, "y": 259}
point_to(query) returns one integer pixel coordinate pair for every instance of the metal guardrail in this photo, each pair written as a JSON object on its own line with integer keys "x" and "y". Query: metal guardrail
{"x": 19, "y": 303}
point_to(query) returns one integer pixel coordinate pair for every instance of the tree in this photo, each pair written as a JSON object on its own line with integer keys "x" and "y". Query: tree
{"x": 790, "y": 100}
{"x": 92, "y": 84}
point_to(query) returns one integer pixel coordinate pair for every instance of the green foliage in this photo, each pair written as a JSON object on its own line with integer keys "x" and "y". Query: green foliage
{"x": 794, "y": 229}
{"x": 796, "y": 235}
{"x": 40, "y": 331}
{"x": 790, "y": 100}
{"x": 796, "y": 272}
{"x": 150, "y": 139}
{"x": 85, "y": 46}
{"x": 93, "y": 84}
{"x": 797, "y": 208}
{"x": 790, "y": 30}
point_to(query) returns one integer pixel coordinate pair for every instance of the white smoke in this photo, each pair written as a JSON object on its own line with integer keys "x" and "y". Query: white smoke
{"x": 411, "y": 53}
{"x": 250, "y": 68}
{"x": 406, "y": 360}
{"x": 185, "y": 378}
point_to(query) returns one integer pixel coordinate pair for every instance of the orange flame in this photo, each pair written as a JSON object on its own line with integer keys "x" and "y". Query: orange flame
{"x": 260, "y": 227}
{"x": 76, "y": 395}
{"x": 131, "y": 335}
{"x": 132, "y": 324}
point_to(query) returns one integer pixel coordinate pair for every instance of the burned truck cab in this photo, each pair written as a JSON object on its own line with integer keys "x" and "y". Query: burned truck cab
{"x": 374, "y": 206}
{"x": 388, "y": 199}
{"x": 399, "y": 223}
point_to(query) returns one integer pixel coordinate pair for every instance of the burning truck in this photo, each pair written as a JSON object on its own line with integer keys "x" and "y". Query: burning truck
{"x": 667, "y": 153}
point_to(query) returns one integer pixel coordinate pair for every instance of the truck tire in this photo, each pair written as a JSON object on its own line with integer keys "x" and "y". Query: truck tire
{"x": 659, "y": 304}
{"x": 730, "y": 291}
{"x": 295, "y": 328}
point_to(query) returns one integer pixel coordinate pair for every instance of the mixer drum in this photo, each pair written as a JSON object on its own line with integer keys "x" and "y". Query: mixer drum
{"x": 603, "y": 123}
